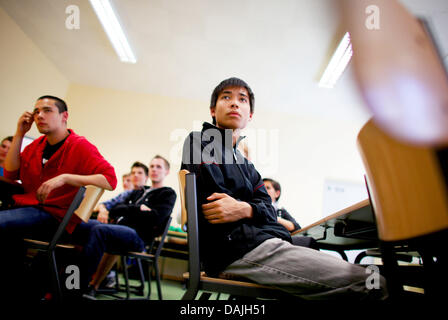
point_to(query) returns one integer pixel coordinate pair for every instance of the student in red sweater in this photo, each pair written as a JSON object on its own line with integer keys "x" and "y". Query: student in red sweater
{"x": 51, "y": 169}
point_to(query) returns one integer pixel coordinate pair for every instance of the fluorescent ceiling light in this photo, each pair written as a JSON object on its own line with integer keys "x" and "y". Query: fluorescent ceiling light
{"x": 338, "y": 63}
{"x": 109, "y": 20}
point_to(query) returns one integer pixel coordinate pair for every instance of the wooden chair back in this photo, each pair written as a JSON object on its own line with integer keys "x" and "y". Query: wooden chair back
{"x": 408, "y": 191}
{"x": 182, "y": 183}
{"x": 91, "y": 197}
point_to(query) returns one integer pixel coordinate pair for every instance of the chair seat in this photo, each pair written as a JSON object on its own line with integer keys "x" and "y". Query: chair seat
{"x": 235, "y": 287}
{"x": 141, "y": 255}
{"x": 44, "y": 244}
{"x": 245, "y": 283}
{"x": 179, "y": 241}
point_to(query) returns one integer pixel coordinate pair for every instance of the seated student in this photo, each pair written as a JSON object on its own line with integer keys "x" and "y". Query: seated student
{"x": 127, "y": 182}
{"x": 284, "y": 218}
{"x": 51, "y": 169}
{"x": 4, "y": 147}
{"x": 239, "y": 232}
{"x": 8, "y": 187}
{"x": 137, "y": 220}
{"x": 139, "y": 176}
{"x": 136, "y": 179}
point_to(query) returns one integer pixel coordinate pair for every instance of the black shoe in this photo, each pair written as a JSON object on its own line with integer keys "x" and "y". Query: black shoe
{"x": 109, "y": 282}
{"x": 90, "y": 293}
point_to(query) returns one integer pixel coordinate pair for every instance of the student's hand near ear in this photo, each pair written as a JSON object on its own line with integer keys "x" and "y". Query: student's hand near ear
{"x": 12, "y": 161}
{"x": 24, "y": 124}
{"x": 223, "y": 209}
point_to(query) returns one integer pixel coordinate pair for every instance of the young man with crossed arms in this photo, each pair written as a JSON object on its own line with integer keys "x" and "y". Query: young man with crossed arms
{"x": 239, "y": 232}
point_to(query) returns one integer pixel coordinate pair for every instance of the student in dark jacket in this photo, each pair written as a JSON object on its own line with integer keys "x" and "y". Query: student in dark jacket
{"x": 284, "y": 218}
{"x": 136, "y": 221}
{"x": 239, "y": 232}
{"x": 274, "y": 190}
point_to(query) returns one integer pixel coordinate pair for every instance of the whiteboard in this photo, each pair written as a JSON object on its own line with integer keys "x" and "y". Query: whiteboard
{"x": 26, "y": 141}
{"x": 339, "y": 194}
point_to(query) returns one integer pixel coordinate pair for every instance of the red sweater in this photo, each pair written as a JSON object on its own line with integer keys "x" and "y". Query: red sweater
{"x": 75, "y": 156}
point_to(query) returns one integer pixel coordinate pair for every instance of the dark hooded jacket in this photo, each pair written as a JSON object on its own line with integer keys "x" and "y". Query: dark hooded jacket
{"x": 224, "y": 169}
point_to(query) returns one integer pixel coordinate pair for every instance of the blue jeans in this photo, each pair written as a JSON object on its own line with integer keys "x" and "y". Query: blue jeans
{"x": 27, "y": 222}
{"x": 35, "y": 223}
{"x": 110, "y": 238}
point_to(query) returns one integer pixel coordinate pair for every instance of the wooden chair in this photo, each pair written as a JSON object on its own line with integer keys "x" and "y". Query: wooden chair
{"x": 151, "y": 256}
{"x": 197, "y": 280}
{"x": 82, "y": 205}
{"x": 409, "y": 196}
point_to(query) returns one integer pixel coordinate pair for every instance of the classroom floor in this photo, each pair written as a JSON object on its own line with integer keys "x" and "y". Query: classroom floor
{"x": 171, "y": 290}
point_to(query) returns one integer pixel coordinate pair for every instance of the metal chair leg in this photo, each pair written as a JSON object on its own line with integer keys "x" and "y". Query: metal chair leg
{"x": 149, "y": 280}
{"x": 55, "y": 275}
{"x": 126, "y": 276}
{"x": 159, "y": 288}
{"x": 391, "y": 270}
{"x": 142, "y": 277}
{"x": 191, "y": 293}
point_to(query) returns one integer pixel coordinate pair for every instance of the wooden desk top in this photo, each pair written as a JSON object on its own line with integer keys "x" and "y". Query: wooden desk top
{"x": 355, "y": 228}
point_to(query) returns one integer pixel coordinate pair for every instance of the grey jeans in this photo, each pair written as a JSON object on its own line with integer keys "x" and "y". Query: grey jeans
{"x": 305, "y": 272}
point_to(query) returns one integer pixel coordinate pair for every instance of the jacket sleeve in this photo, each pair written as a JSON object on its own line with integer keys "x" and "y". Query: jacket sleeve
{"x": 161, "y": 207}
{"x": 109, "y": 204}
{"x": 285, "y": 215}
{"x": 93, "y": 162}
{"x": 261, "y": 203}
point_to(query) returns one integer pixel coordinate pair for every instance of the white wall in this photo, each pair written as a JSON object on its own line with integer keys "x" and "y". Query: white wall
{"x": 301, "y": 152}
{"x": 26, "y": 74}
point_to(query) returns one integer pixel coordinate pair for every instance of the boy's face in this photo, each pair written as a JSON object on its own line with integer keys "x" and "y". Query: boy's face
{"x": 271, "y": 191}
{"x": 139, "y": 177}
{"x": 47, "y": 117}
{"x": 157, "y": 170}
{"x": 232, "y": 109}
{"x": 127, "y": 182}
{"x": 4, "y": 147}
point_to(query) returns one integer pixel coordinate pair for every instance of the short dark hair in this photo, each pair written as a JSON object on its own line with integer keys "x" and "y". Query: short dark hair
{"x": 167, "y": 164}
{"x": 62, "y": 106}
{"x": 8, "y": 138}
{"x": 138, "y": 164}
{"x": 275, "y": 185}
{"x": 232, "y": 82}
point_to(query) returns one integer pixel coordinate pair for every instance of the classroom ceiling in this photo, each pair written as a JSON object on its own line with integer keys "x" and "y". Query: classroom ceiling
{"x": 184, "y": 48}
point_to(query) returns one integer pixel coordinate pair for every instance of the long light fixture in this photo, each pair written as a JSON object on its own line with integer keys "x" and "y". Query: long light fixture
{"x": 114, "y": 31}
{"x": 338, "y": 63}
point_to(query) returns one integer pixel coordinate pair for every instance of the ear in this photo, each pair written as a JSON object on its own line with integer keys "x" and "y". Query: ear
{"x": 212, "y": 111}
{"x": 65, "y": 116}
{"x": 277, "y": 194}
{"x": 250, "y": 116}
